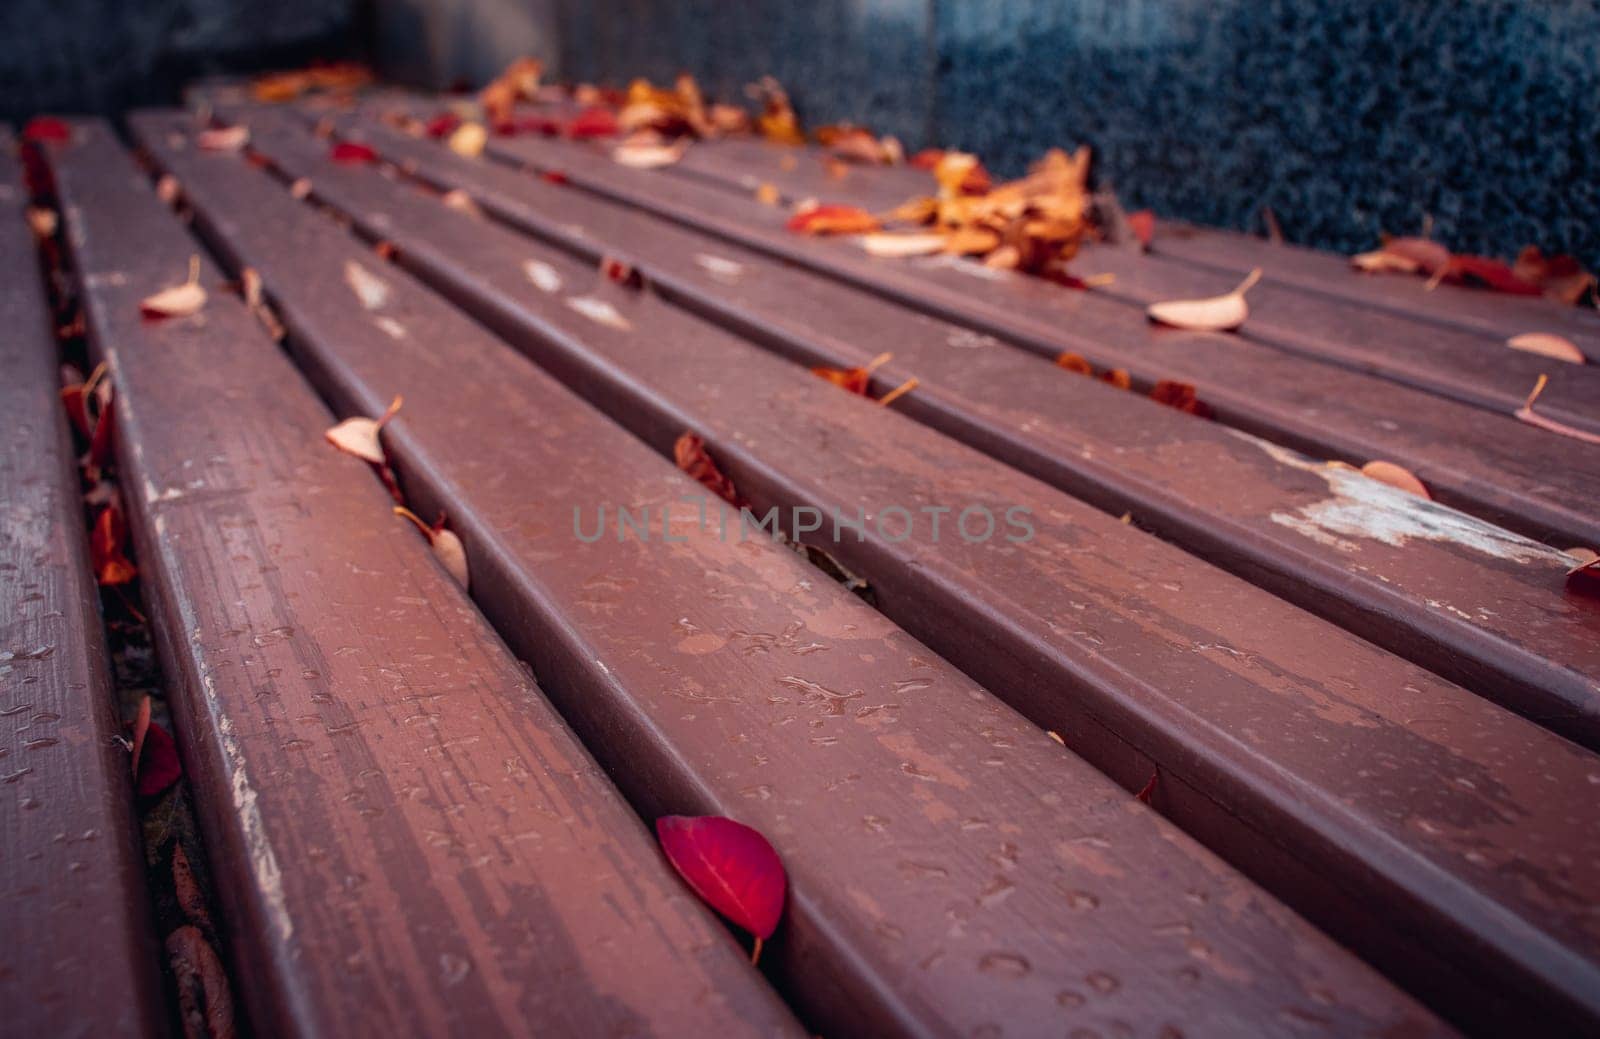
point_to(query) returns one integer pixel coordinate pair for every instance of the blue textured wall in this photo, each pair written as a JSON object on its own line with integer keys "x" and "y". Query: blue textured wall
{"x": 1346, "y": 116}
{"x": 107, "y": 55}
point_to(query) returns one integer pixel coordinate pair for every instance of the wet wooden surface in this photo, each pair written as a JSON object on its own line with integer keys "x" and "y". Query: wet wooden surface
{"x": 954, "y": 870}
{"x": 72, "y": 892}
{"x": 405, "y": 835}
{"x": 1330, "y": 770}
{"x": 1484, "y": 463}
{"x": 1469, "y": 600}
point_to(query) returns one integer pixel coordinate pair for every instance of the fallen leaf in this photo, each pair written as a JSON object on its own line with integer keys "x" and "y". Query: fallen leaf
{"x": 1526, "y": 414}
{"x": 168, "y": 190}
{"x": 447, "y": 547}
{"x": 1559, "y": 347}
{"x": 1585, "y": 575}
{"x": 853, "y": 380}
{"x": 72, "y": 398}
{"x": 648, "y": 155}
{"x": 159, "y": 766}
{"x": 468, "y": 140}
{"x": 359, "y": 435}
{"x": 102, "y": 442}
{"x": 1117, "y": 377}
{"x": 891, "y": 244}
{"x": 42, "y": 221}
{"x": 767, "y": 194}
{"x": 1395, "y": 476}
{"x": 1487, "y": 272}
{"x": 730, "y": 866}
{"x": 371, "y": 290}
{"x": 689, "y": 452}
{"x": 141, "y": 728}
{"x": 1179, "y": 395}
{"x": 553, "y": 177}
{"x": 543, "y": 276}
{"x": 461, "y": 202}
{"x": 593, "y": 122}
{"x": 300, "y": 188}
{"x": 205, "y": 1003}
{"x": 46, "y": 128}
{"x": 1217, "y": 314}
{"x": 833, "y": 219}
{"x": 442, "y": 125}
{"x": 1074, "y": 363}
{"x": 1149, "y": 789}
{"x": 250, "y": 287}
{"x": 926, "y": 159}
{"x": 178, "y": 301}
{"x": 223, "y": 138}
{"x": 600, "y": 312}
{"x": 352, "y": 152}
{"x": 777, "y": 121}
{"x": 1143, "y": 225}
{"x": 1561, "y": 278}
{"x": 621, "y": 272}
{"x": 187, "y": 889}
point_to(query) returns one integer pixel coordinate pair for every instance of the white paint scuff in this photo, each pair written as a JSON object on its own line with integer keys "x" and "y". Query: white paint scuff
{"x": 1363, "y": 508}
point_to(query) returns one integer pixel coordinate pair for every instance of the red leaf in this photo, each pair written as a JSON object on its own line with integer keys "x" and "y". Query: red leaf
{"x": 1179, "y": 395}
{"x": 1495, "y": 274}
{"x": 353, "y": 151}
{"x": 621, "y": 272}
{"x": 553, "y": 177}
{"x": 107, "y": 545}
{"x": 691, "y": 456}
{"x": 833, "y": 219}
{"x": 926, "y": 159}
{"x": 159, "y": 767}
{"x": 1143, "y": 226}
{"x": 72, "y": 399}
{"x": 46, "y": 128}
{"x": 103, "y": 440}
{"x": 593, "y": 122}
{"x": 729, "y": 865}
{"x": 443, "y": 125}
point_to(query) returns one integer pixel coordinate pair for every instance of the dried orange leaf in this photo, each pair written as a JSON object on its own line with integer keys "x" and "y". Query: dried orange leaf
{"x": 359, "y": 436}
{"x": 141, "y": 728}
{"x": 447, "y": 547}
{"x": 108, "y": 543}
{"x": 461, "y": 202}
{"x": 889, "y": 244}
{"x": 1395, "y": 476}
{"x": 178, "y": 301}
{"x": 544, "y": 277}
{"x": 689, "y": 452}
{"x": 1217, "y": 314}
{"x": 1559, "y": 347}
{"x": 767, "y": 194}
{"x": 42, "y": 221}
{"x": 469, "y": 139}
{"x": 223, "y": 139}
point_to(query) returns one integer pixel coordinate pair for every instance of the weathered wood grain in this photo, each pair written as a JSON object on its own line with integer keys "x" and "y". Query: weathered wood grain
{"x": 407, "y": 838}
{"x": 79, "y": 956}
{"x": 1326, "y": 768}
{"x": 953, "y": 869}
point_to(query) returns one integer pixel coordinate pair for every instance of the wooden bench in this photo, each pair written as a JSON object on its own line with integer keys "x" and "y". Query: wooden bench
{"x": 951, "y": 866}
{"x": 1468, "y": 600}
{"x": 1494, "y": 467}
{"x": 405, "y": 834}
{"x": 787, "y": 439}
{"x": 1360, "y": 724}
{"x": 71, "y": 872}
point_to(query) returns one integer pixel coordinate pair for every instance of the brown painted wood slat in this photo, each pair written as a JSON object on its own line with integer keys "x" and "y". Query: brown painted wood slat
{"x": 1520, "y": 477}
{"x": 406, "y": 836}
{"x": 1473, "y": 602}
{"x": 953, "y": 869}
{"x": 1494, "y": 315}
{"x": 72, "y": 868}
{"x": 1296, "y": 749}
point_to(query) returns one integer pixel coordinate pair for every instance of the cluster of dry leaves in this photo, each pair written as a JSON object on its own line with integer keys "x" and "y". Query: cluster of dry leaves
{"x": 1559, "y": 278}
